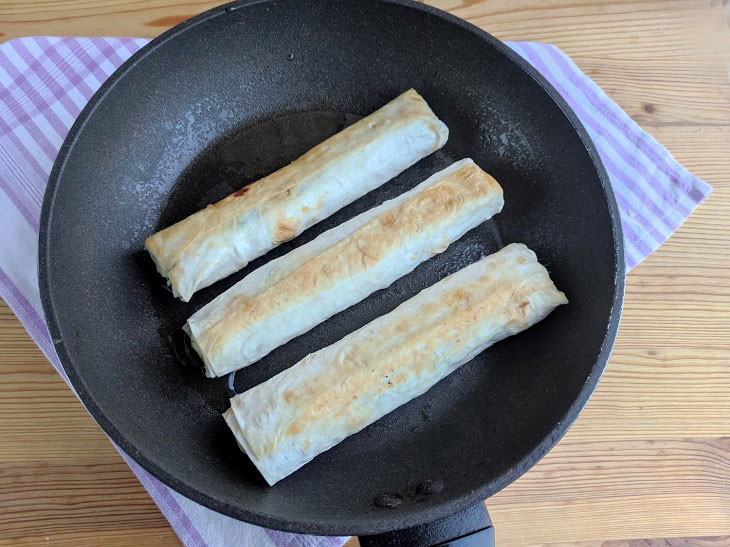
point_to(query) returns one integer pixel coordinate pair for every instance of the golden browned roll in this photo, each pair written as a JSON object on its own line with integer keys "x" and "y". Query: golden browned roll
{"x": 286, "y": 421}
{"x": 225, "y": 236}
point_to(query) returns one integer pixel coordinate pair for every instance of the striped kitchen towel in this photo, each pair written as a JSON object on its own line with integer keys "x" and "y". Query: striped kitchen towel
{"x": 46, "y": 81}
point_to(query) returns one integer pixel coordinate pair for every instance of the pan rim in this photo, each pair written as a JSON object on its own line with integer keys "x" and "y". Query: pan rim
{"x": 356, "y": 525}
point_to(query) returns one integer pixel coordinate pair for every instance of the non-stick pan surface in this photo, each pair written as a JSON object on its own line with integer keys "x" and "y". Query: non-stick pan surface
{"x": 238, "y": 92}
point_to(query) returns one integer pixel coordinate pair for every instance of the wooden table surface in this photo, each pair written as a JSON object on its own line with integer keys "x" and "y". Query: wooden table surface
{"x": 649, "y": 458}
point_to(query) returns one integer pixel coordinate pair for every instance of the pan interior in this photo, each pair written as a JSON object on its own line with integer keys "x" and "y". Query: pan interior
{"x": 238, "y": 95}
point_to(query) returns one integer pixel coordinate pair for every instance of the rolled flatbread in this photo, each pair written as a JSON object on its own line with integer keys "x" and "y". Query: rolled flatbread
{"x": 225, "y": 236}
{"x": 290, "y": 295}
{"x": 286, "y": 421}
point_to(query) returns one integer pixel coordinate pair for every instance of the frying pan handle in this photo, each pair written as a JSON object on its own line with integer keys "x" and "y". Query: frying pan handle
{"x": 471, "y": 527}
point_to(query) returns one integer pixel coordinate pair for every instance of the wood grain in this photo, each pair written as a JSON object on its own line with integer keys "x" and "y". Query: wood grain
{"x": 648, "y": 461}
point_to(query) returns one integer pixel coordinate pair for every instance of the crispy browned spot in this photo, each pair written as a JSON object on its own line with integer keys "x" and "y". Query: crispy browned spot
{"x": 460, "y": 294}
{"x": 241, "y": 192}
{"x": 285, "y": 230}
{"x": 389, "y": 219}
{"x": 295, "y": 428}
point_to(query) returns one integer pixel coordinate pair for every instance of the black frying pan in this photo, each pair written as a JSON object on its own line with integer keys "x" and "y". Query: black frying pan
{"x": 238, "y": 92}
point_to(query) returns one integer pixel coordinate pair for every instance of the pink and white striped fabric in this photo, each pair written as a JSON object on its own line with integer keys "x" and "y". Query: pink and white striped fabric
{"x": 46, "y": 81}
